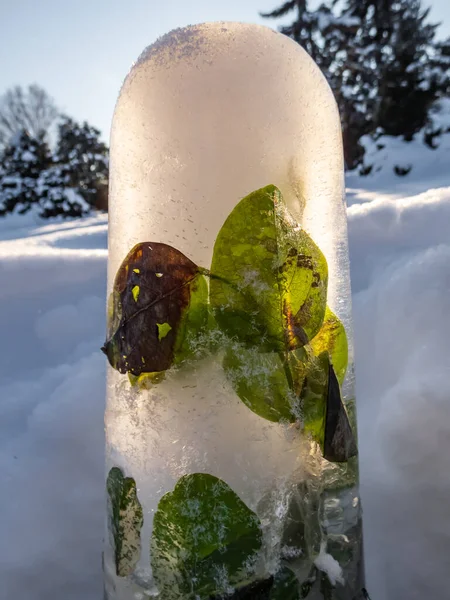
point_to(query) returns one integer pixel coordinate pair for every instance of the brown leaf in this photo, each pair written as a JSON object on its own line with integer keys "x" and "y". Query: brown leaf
{"x": 152, "y": 292}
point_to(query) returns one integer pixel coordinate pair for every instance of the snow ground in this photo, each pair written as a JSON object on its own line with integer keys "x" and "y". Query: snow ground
{"x": 52, "y": 292}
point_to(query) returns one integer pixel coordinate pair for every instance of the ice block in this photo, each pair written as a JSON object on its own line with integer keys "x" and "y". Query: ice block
{"x": 231, "y": 452}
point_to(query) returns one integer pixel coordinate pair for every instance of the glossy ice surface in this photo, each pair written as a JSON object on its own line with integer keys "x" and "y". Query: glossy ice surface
{"x": 206, "y": 116}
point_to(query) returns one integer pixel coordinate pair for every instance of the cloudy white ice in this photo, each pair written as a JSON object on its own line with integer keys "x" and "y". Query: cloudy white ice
{"x": 52, "y": 291}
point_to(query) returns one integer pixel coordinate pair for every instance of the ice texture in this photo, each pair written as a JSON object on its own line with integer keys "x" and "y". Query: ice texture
{"x": 329, "y": 565}
{"x": 207, "y": 115}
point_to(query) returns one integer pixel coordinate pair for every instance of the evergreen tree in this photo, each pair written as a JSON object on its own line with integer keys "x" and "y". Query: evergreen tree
{"x": 440, "y": 68}
{"x": 329, "y": 35}
{"x": 23, "y": 162}
{"x": 351, "y": 76}
{"x": 318, "y": 31}
{"x": 84, "y": 156}
{"x": 404, "y": 54}
{"x": 65, "y": 182}
{"x": 380, "y": 59}
{"x": 57, "y": 197}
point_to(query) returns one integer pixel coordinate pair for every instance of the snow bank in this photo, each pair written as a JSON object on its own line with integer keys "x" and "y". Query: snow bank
{"x": 52, "y": 289}
{"x": 385, "y": 229}
{"x": 52, "y": 492}
{"x": 51, "y": 414}
{"x": 400, "y": 256}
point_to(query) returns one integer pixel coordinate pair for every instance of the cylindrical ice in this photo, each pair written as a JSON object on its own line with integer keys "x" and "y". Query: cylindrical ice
{"x": 231, "y": 467}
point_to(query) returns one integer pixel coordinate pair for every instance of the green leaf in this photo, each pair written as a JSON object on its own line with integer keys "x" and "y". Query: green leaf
{"x": 332, "y": 339}
{"x": 268, "y": 281}
{"x": 281, "y": 388}
{"x": 157, "y": 308}
{"x": 204, "y": 539}
{"x": 269, "y": 384}
{"x": 298, "y": 387}
{"x": 125, "y": 521}
{"x": 314, "y": 396}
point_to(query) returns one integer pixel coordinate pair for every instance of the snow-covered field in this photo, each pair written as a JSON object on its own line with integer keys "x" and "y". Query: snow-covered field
{"x": 52, "y": 291}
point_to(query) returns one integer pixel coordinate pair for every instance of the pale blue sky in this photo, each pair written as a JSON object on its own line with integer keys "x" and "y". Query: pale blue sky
{"x": 80, "y": 50}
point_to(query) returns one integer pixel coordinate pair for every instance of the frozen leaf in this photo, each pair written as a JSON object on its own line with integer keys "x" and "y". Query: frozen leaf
{"x": 339, "y": 442}
{"x": 326, "y": 419}
{"x": 125, "y": 521}
{"x": 204, "y": 539}
{"x": 298, "y": 387}
{"x": 158, "y": 306}
{"x": 268, "y": 282}
{"x": 259, "y": 379}
{"x": 314, "y": 396}
{"x": 332, "y": 339}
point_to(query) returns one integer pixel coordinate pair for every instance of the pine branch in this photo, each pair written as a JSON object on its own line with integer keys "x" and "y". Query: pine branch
{"x": 279, "y": 12}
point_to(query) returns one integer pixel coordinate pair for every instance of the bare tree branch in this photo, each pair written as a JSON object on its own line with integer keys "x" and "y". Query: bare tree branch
{"x": 31, "y": 109}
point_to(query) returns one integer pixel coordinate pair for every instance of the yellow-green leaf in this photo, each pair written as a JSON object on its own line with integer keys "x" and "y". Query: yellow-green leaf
{"x": 332, "y": 339}
{"x": 269, "y": 384}
{"x": 269, "y": 279}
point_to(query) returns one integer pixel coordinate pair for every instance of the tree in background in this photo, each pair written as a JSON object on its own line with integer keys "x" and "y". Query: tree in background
{"x": 31, "y": 110}
{"x": 303, "y": 29}
{"x": 84, "y": 156}
{"x": 402, "y": 47}
{"x": 56, "y": 195}
{"x": 381, "y": 60}
{"x": 312, "y": 27}
{"x": 441, "y": 67}
{"x": 24, "y": 161}
{"x": 66, "y": 181}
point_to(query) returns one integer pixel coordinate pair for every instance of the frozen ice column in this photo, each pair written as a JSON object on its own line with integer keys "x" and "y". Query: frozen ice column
{"x": 230, "y": 419}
